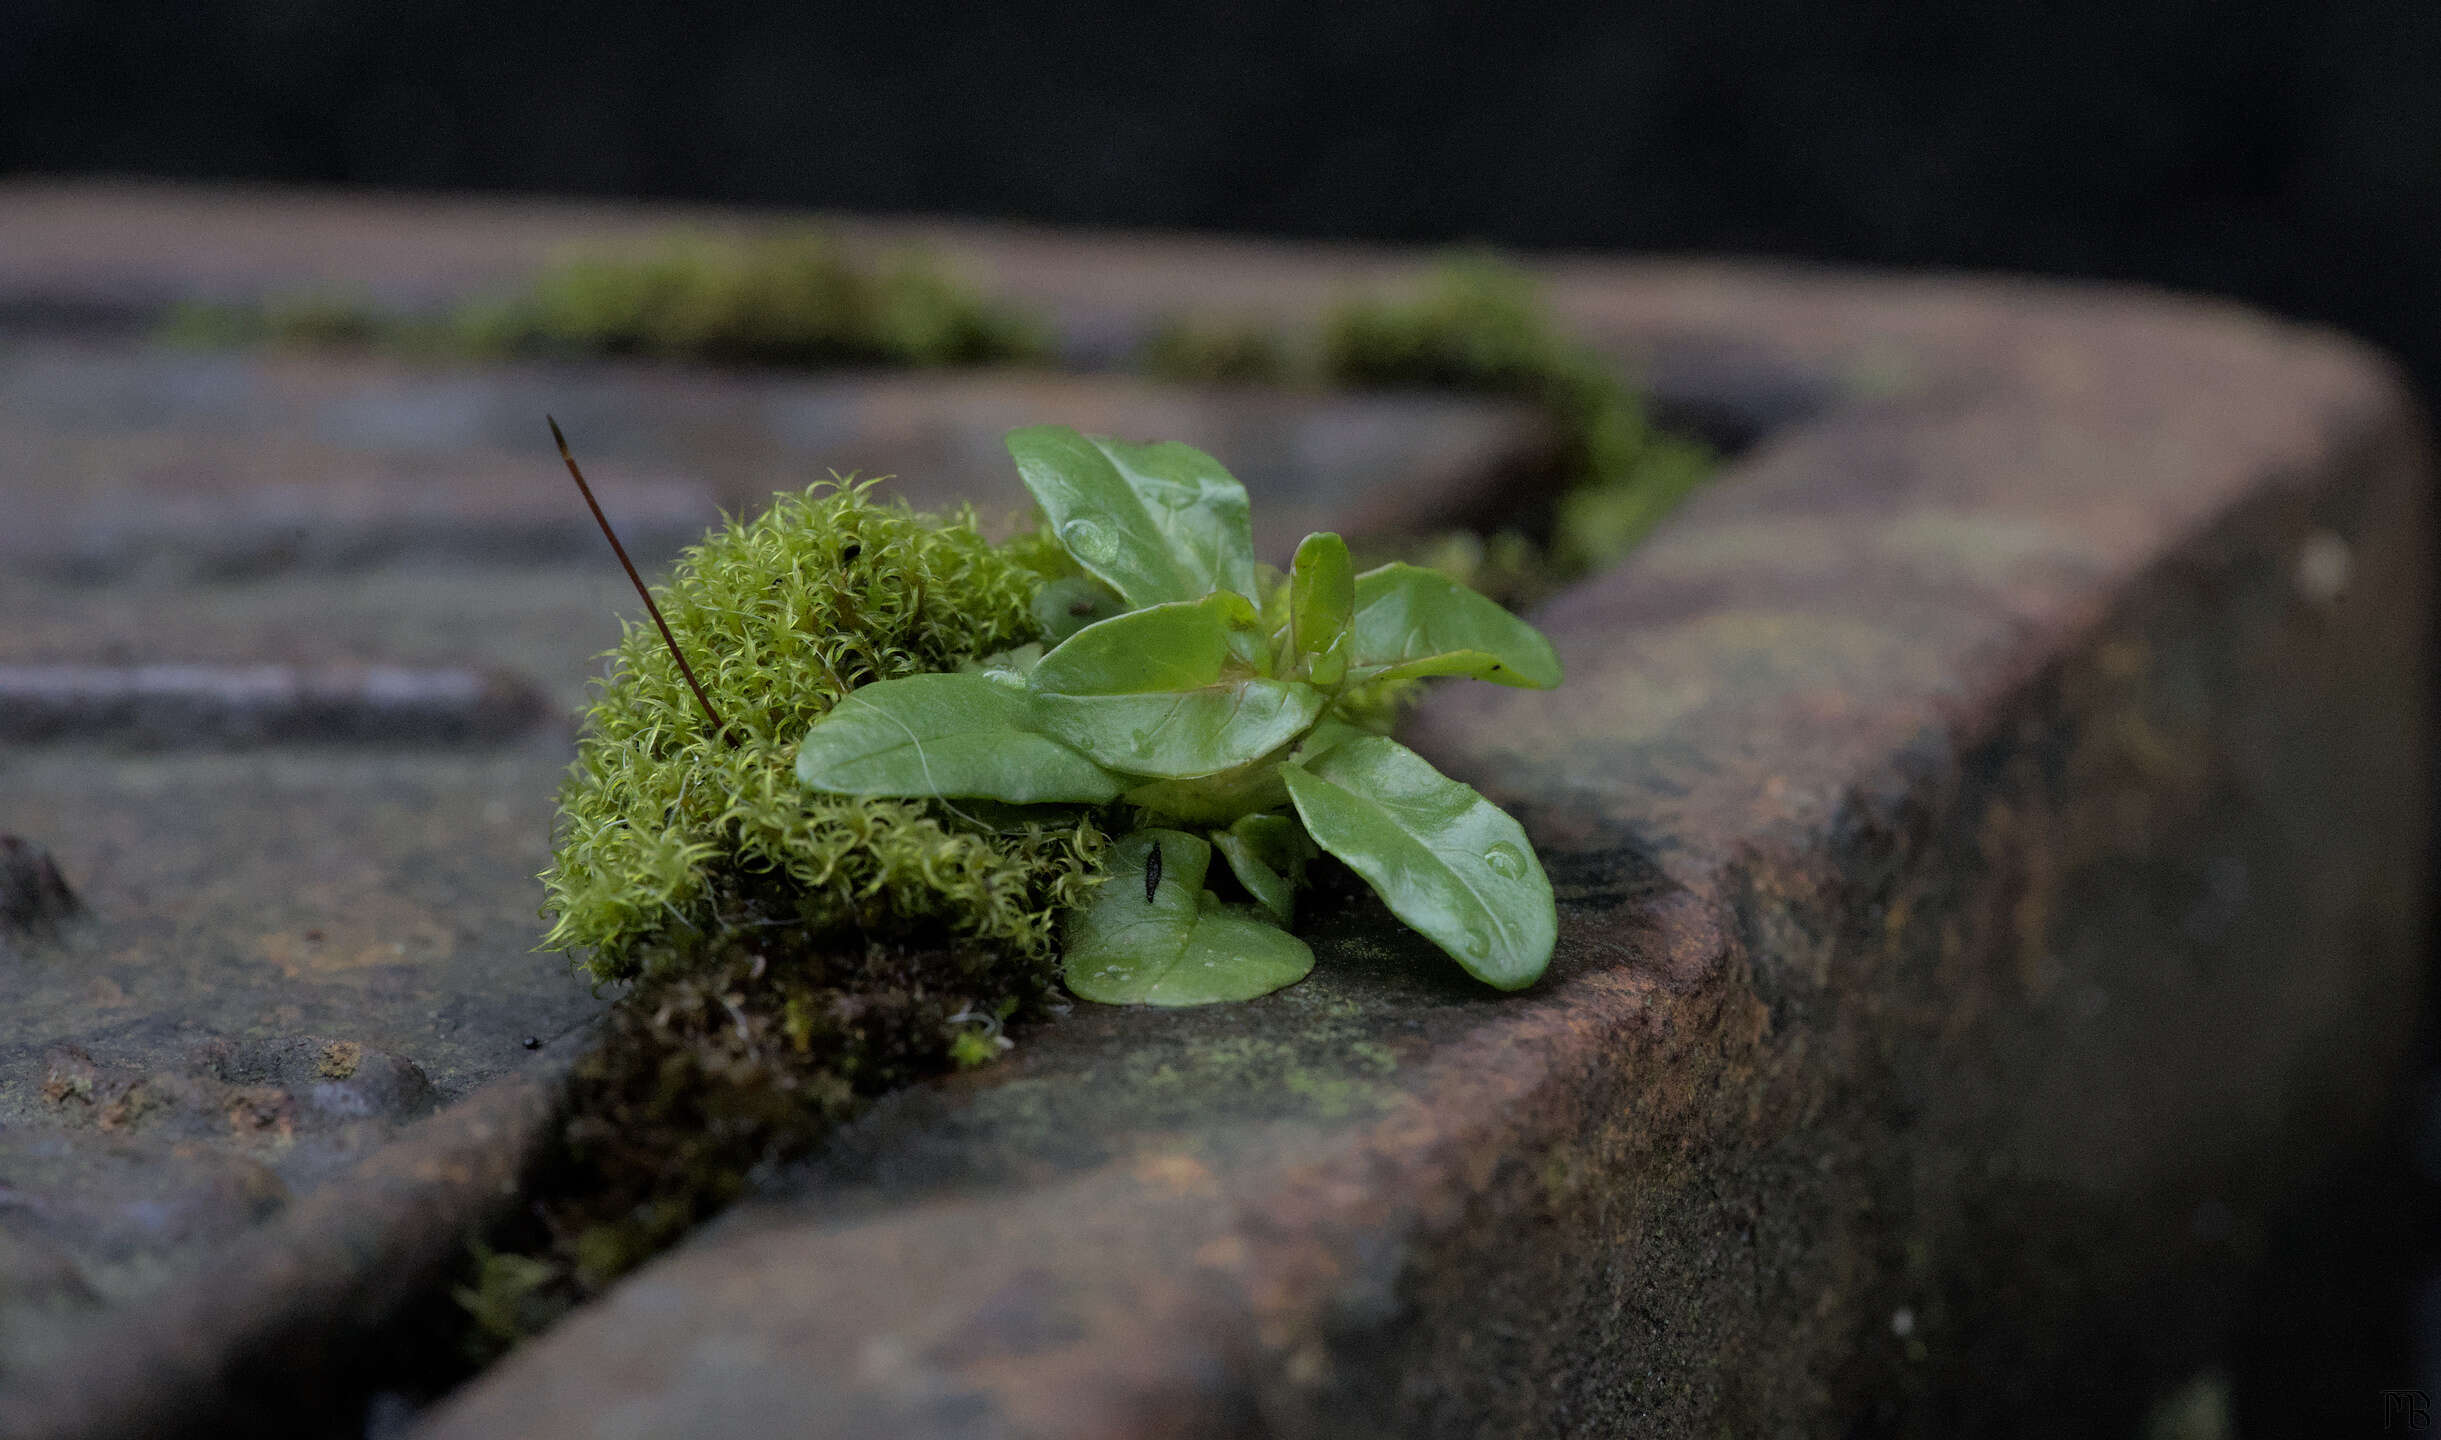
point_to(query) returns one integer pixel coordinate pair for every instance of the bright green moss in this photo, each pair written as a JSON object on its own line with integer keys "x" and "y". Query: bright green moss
{"x": 670, "y": 837}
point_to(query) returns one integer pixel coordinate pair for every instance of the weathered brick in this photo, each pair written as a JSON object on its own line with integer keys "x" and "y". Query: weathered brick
{"x": 1989, "y": 827}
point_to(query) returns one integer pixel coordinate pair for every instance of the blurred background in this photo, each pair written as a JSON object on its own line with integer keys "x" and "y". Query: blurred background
{"x": 2285, "y": 152}
{"x": 2281, "y": 150}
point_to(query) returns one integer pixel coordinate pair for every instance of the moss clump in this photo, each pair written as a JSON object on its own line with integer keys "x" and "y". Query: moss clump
{"x": 786, "y": 954}
{"x": 781, "y": 615}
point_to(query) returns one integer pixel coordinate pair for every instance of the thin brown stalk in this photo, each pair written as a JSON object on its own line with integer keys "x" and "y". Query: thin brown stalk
{"x": 719, "y": 726}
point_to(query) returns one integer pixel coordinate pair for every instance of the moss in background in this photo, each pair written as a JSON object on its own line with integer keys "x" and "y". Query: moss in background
{"x": 309, "y": 318}
{"x": 798, "y": 300}
{"x": 1481, "y": 325}
{"x": 1477, "y": 324}
{"x": 1203, "y": 351}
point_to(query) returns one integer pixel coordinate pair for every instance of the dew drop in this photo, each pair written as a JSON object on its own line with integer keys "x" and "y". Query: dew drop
{"x": 1475, "y": 945}
{"x": 1088, "y": 541}
{"x": 1176, "y": 497}
{"x": 1505, "y": 861}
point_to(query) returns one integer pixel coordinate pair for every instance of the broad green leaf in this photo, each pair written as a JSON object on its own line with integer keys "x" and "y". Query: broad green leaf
{"x": 1181, "y": 645}
{"x": 1443, "y": 858}
{"x": 1180, "y": 945}
{"x": 1181, "y": 735}
{"x": 1271, "y": 588}
{"x": 1009, "y": 667}
{"x": 957, "y": 735}
{"x": 1322, "y": 591}
{"x": 1158, "y": 522}
{"x": 1331, "y": 731}
{"x": 1279, "y": 839}
{"x": 1155, "y": 692}
{"x": 1413, "y": 622}
{"x": 1322, "y": 601}
{"x": 1063, "y": 607}
{"x": 1267, "y": 853}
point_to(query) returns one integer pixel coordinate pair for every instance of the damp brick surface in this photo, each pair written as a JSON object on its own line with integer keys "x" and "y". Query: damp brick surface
{"x": 1989, "y": 826}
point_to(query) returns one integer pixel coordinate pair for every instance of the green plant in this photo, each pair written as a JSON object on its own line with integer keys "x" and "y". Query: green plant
{"x": 1233, "y": 711}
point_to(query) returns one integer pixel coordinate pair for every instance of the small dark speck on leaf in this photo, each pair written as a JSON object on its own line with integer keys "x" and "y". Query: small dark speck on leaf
{"x": 532, "y": 1042}
{"x": 1152, "y": 874}
{"x": 1080, "y": 608}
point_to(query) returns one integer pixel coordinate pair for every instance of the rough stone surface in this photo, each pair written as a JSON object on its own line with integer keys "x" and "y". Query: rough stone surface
{"x": 150, "y": 464}
{"x": 1990, "y": 869}
{"x": 1988, "y": 828}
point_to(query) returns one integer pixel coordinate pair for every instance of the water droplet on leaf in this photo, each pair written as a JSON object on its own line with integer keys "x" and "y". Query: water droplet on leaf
{"x": 1505, "y": 861}
{"x": 1088, "y": 541}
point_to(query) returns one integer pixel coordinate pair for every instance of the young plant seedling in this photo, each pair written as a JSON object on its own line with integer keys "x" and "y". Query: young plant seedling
{"x": 1233, "y": 711}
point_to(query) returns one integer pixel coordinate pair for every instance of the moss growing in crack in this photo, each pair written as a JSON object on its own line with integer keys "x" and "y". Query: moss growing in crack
{"x": 1477, "y": 324}
{"x": 1481, "y": 325}
{"x": 796, "y": 300}
{"x": 782, "y": 615}
{"x": 698, "y": 1081}
{"x": 799, "y": 300}
{"x": 303, "y": 318}
{"x": 702, "y": 1078}
{"x": 1205, "y": 351}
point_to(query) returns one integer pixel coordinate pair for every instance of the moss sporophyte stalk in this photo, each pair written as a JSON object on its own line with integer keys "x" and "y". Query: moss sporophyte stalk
{"x": 1116, "y": 739}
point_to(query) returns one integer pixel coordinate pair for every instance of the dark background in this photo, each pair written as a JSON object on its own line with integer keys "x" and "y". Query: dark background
{"x": 2287, "y": 152}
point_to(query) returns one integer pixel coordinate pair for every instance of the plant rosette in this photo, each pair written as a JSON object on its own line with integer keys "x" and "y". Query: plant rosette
{"x": 1236, "y": 712}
